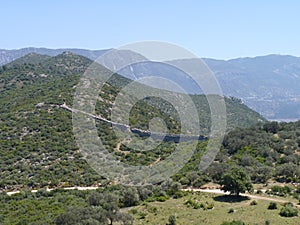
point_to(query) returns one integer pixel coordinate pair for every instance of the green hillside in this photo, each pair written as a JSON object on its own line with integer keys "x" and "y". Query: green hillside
{"x": 269, "y": 152}
{"x": 38, "y": 150}
{"x": 37, "y": 146}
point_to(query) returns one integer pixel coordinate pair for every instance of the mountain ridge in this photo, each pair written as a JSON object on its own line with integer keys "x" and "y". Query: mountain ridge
{"x": 267, "y": 84}
{"x": 7, "y": 56}
{"x": 94, "y": 54}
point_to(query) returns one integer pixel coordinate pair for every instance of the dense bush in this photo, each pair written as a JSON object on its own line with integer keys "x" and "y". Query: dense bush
{"x": 231, "y": 210}
{"x": 199, "y": 205}
{"x": 279, "y": 190}
{"x": 272, "y": 205}
{"x": 253, "y": 202}
{"x": 172, "y": 220}
{"x": 288, "y": 211}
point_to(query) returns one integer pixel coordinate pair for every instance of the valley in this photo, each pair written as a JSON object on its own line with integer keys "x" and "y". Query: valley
{"x": 38, "y": 152}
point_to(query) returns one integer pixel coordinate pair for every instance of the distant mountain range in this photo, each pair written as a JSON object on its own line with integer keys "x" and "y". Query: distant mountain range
{"x": 268, "y": 84}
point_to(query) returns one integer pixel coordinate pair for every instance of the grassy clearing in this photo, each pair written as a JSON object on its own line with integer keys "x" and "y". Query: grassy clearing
{"x": 158, "y": 212}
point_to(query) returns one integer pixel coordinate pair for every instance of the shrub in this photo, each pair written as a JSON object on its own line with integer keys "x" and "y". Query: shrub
{"x": 231, "y": 210}
{"x": 272, "y": 205}
{"x": 158, "y": 198}
{"x": 210, "y": 206}
{"x": 142, "y": 215}
{"x": 253, "y": 202}
{"x": 180, "y": 194}
{"x": 288, "y": 204}
{"x": 296, "y": 196}
{"x": 172, "y": 220}
{"x": 280, "y": 191}
{"x": 189, "y": 202}
{"x": 130, "y": 197}
{"x": 199, "y": 205}
{"x": 194, "y": 204}
{"x": 151, "y": 209}
{"x": 162, "y": 198}
{"x": 259, "y": 192}
{"x": 184, "y": 181}
{"x": 288, "y": 211}
{"x": 133, "y": 211}
{"x": 267, "y": 222}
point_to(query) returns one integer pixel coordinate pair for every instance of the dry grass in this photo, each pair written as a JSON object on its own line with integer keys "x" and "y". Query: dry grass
{"x": 157, "y": 213}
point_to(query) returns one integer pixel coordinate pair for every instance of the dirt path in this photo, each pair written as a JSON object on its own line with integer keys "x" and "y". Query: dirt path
{"x": 155, "y": 162}
{"x": 118, "y": 147}
{"x": 215, "y": 191}
{"x": 51, "y": 189}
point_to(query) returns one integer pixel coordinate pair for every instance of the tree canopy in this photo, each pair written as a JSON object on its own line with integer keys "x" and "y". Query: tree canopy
{"x": 236, "y": 181}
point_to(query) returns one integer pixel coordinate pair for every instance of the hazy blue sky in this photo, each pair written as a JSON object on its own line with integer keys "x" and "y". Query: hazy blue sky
{"x": 218, "y": 29}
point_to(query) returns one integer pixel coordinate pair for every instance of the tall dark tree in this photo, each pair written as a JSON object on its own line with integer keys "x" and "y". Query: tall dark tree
{"x": 236, "y": 181}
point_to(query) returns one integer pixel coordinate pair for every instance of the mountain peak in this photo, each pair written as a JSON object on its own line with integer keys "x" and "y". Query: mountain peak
{"x": 70, "y": 57}
{"x": 67, "y": 53}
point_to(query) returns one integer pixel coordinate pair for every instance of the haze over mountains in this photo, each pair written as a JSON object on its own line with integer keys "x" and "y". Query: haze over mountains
{"x": 268, "y": 84}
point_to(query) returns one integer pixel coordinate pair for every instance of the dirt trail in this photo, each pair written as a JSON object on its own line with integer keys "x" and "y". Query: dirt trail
{"x": 118, "y": 147}
{"x": 215, "y": 191}
{"x": 51, "y": 189}
{"x": 155, "y": 162}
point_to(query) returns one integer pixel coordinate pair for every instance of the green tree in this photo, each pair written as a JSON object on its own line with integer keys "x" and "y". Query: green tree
{"x": 130, "y": 197}
{"x": 109, "y": 203}
{"x": 236, "y": 181}
{"x": 262, "y": 174}
{"x": 287, "y": 172}
{"x": 82, "y": 216}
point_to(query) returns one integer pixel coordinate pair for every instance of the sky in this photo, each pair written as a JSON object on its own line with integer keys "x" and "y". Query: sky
{"x": 221, "y": 29}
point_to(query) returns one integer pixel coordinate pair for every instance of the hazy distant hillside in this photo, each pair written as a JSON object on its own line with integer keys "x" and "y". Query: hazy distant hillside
{"x": 268, "y": 84}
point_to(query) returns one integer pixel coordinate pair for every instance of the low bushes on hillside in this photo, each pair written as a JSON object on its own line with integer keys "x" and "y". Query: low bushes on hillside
{"x": 288, "y": 211}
